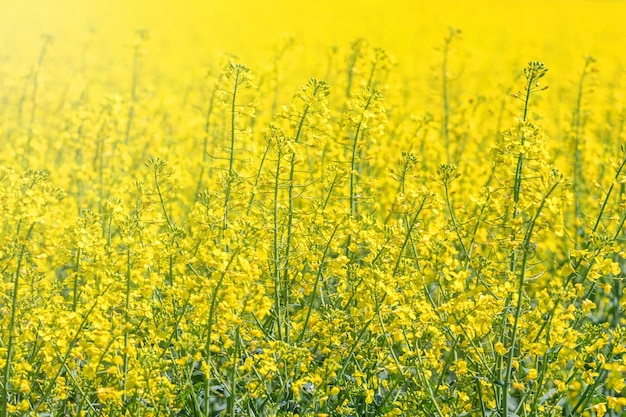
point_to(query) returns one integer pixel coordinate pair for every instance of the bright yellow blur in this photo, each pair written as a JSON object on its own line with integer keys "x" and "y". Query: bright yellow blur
{"x": 186, "y": 32}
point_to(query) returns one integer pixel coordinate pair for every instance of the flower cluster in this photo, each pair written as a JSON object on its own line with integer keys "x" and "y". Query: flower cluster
{"x": 331, "y": 249}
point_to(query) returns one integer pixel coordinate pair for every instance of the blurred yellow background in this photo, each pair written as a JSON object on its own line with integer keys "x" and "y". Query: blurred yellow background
{"x": 187, "y": 32}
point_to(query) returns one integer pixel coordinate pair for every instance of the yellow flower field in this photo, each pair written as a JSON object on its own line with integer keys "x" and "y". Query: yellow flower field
{"x": 249, "y": 208}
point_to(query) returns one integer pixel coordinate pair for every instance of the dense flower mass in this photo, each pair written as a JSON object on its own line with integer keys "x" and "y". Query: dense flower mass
{"x": 364, "y": 236}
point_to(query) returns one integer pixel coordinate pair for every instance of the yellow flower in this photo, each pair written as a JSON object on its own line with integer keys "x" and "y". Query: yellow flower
{"x": 600, "y": 409}
{"x": 23, "y": 406}
{"x": 461, "y": 367}
{"x": 499, "y": 348}
{"x": 518, "y": 386}
{"x": 369, "y": 396}
{"x": 587, "y": 306}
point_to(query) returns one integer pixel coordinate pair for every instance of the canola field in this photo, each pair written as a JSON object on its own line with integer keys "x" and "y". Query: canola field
{"x": 313, "y": 209}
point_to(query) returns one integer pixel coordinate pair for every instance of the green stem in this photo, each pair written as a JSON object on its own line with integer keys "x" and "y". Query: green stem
{"x": 277, "y": 258}
{"x": 76, "y": 270}
{"x": 318, "y": 277}
{"x": 408, "y": 237}
{"x": 446, "y": 101}
{"x": 578, "y": 173}
{"x": 47, "y": 39}
{"x": 205, "y": 139}
{"x": 353, "y": 159}
{"x": 233, "y": 376}
{"x": 12, "y": 328}
{"x": 455, "y": 223}
{"x": 356, "y": 49}
{"x": 518, "y": 309}
{"x": 231, "y": 160}
{"x": 157, "y": 184}
{"x": 133, "y": 89}
{"x": 290, "y": 216}
{"x": 257, "y": 179}
{"x": 209, "y": 330}
{"x": 517, "y": 186}
{"x": 126, "y": 322}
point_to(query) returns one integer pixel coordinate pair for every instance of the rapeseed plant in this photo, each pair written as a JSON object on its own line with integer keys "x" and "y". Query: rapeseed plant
{"x": 370, "y": 242}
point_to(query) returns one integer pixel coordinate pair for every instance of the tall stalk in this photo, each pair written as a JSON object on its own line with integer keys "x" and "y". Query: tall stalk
{"x": 533, "y": 72}
{"x": 577, "y": 130}
{"x": 12, "y": 332}
{"x": 126, "y": 323}
{"x": 372, "y": 96}
{"x": 205, "y": 136}
{"x": 47, "y": 40}
{"x": 445, "y": 95}
{"x": 526, "y": 252}
{"x": 278, "y": 265}
{"x": 239, "y": 76}
{"x": 142, "y": 35}
{"x": 209, "y": 331}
